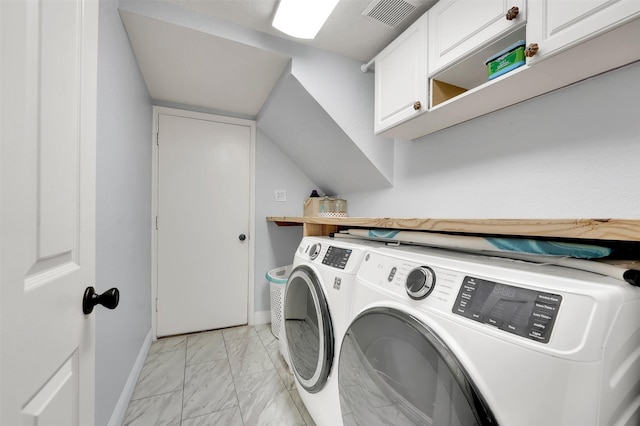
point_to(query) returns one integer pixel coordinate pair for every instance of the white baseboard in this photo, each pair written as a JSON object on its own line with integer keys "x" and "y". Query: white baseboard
{"x": 262, "y": 317}
{"x": 117, "y": 417}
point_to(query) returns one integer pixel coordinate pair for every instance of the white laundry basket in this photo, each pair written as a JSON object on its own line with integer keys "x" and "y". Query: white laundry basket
{"x": 277, "y": 280}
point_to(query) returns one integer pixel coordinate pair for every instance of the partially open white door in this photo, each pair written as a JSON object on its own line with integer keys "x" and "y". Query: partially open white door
{"x": 47, "y": 210}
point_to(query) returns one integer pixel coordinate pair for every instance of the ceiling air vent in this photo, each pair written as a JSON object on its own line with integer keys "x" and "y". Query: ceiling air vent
{"x": 391, "y": 12}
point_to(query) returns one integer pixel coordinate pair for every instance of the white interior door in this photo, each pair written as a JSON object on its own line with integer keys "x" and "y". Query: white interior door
{"x": 204, "y": 175}
{"x": 47, "y": 211}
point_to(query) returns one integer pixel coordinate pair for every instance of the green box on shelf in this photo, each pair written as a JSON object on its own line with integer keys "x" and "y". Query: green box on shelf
{"x": 506, "y": 60}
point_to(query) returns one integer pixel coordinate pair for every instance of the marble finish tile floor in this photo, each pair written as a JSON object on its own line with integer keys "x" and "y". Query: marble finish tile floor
{"x": 228, "y": 377}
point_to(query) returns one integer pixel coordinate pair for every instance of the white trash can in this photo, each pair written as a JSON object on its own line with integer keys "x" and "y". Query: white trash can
{"x": 277, "y": 280}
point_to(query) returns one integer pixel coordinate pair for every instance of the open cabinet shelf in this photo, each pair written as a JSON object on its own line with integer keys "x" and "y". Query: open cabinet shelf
{"x": 469, "y": 73}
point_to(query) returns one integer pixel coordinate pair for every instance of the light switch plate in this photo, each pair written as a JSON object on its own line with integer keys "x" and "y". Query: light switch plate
{"x": 280, "y": 194}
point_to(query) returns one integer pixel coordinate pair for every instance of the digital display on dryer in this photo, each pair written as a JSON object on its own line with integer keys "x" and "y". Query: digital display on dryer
{"x": 516, "y": 310}
{"x": 336, "y": 257}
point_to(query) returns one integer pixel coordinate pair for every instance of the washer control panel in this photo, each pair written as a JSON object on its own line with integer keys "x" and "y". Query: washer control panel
{"x": 524, "y": 312}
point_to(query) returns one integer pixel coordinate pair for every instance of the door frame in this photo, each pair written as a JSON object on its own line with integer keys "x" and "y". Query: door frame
{"x": 157, "y": 110}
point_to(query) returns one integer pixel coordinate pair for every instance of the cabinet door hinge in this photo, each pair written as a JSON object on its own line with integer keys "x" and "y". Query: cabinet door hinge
{"x": 156, "y": 222}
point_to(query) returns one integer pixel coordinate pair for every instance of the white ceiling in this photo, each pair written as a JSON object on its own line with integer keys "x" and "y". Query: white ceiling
{"x": 346, "y": 32}
{"x": 186, "y": 67}
{"x": 183, "y": 66}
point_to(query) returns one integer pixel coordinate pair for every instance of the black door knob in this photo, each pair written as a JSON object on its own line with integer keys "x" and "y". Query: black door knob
{"x": 242, "y": 237}
{"x": 109, "y": 299}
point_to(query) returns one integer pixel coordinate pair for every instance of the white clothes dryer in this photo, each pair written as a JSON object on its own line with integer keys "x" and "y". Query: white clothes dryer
{"x": 316, "y": 313}
{"x": 453, "y": 339}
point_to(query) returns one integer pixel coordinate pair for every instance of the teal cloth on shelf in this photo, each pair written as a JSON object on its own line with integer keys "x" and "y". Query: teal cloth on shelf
{"x": 382, "y": 233}
{"x": 552, "y": 248}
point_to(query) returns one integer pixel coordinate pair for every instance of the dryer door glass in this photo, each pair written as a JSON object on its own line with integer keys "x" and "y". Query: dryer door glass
{"x": 308, "y": 329}
{"x": 393, "y": 370}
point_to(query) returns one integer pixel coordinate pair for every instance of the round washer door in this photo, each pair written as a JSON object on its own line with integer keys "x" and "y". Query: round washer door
{"x": 308, "y": 329}
{"x": 394, "y": 370}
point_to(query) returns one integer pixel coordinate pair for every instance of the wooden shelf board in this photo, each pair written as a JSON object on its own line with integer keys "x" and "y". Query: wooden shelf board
{"x": 591, "y": 229}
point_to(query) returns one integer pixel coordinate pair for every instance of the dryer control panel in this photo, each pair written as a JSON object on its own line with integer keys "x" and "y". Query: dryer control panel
{"x": 524, "y": 312}
{"x": 336, "y": 257}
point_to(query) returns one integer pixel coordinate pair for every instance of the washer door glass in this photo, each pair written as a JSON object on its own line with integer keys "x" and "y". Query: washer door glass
{"x": 394, "y": 370}
{"x": 308, "y": 329}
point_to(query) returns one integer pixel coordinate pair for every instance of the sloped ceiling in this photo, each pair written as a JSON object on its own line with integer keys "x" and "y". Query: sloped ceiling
{"x": 187, "y": 67}
{"x": 315, "y": 142}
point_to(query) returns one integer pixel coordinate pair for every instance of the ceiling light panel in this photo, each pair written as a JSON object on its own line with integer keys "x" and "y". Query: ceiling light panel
{"x": 302, "y": 18}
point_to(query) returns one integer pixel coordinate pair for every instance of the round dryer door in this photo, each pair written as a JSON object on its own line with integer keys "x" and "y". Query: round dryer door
{"x": 394, "y": 370}
{"x": 308, "y": 329}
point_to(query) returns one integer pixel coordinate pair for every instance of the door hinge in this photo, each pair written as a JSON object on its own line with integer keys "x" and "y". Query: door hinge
{"x": 156, "y": 304}
{"x": 156, "y": 222}
{"x": 158, "y": 138}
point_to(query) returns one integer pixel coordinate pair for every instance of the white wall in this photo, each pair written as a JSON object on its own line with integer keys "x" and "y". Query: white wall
{"x": 275, "y": 245}
{"x": 123, "y": 237}
{"x": 573, "y": 153}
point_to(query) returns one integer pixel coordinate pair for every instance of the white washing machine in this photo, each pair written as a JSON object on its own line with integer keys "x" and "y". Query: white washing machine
{"x": 452, "y": 339}
{"x": 316, "y": 313}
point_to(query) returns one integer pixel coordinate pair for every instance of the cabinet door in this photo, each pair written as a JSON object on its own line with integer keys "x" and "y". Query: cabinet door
{"x": 401, "y": 77}
{"x": 556, "y": 25}
{"x": 457, "y": 27}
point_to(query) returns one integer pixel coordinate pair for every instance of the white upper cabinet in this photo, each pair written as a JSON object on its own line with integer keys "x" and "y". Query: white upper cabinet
{"x": 457, "y": 27}
{"x": 400, "y": 77}
{"x": 575, "y": 39}
{"x": 562, "y": 24}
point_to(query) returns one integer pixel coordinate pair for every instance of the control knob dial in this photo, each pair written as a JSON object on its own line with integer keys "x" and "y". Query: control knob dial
{"x": 420, "y": 282}
{"x": 314, "y": 251}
